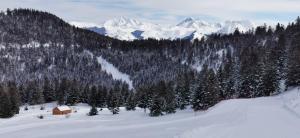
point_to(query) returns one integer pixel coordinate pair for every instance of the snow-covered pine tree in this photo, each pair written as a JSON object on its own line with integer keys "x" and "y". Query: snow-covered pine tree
{"x": 198, "y": 94}
{"x": 293, "y": 70}
{"x": 211, "y": 90}
{"x": 250, "y": 73}
{"x": 114, "y": 101}
{"x": 144, "y": 96}
{"x": 156, "y": 108}
{"x": 269, "y": 81}
{"x": 183, "y": 91}
{"x": 130, "y": 102}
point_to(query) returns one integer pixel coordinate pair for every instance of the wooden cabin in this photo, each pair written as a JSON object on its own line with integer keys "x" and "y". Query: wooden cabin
{"x": 61, "y": 110}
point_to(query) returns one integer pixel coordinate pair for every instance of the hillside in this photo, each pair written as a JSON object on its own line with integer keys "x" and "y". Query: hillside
{"x": 275, "y": 116}
{"x": 44, "y": 59}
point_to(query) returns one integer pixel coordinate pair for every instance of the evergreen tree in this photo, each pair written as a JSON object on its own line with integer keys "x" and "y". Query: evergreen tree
{"x": 93, "y": 111}
{"x": 93, "y": 96}
{"x": 207, "y": 93}
{"x": 170, "y": 106}
{"x": 250, "y": 73}
{"x": 281, "y": 56}
{"x": 130, "y": 102}
{"x": 198, "y": 90}
{"x": 35, "y": 93}
{"x": 156, "y": 108}
{"x": 144, "y": 96}
{"x": 114, "y": 102}
{"x": 183, "y": 91}
{"x": 48, "y": 91}
{"x": 84, "y": 97}
{"x": 73, "y": 96}
{"x": 14, "y": 97}
{"x": 5, "y": 104}
{"x": 293, "y": 72}
{"x": 270, "y": 78}
{"x": 23, "y": 95}
{"x": 62, "y": 91}
{"x": 124, "y": 93}
{"x": 211, "y": 90}
{"x": 101, "y": 96}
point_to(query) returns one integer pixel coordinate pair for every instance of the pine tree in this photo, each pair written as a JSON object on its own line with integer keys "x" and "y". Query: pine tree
{"x": 170, "y": 106}
{"x": 73, "y": 96}
{"x": 5, "y": 104}
{"x": 84, "y": 97}
{"x": 183, "y": 91}
{"x": 207, "y": 93}
{"x": 93, "y": 96}
{"x": 211, "y": 90}
{"x": 270, "y": 78}
{"x": 144, "y": 96}
{"x": 156, "y": 108}
{"x": 124, "y": 93}
{"x": 35, "y": 93}
{"x": 198, "y": 90}
{"x": 14, "y": 97}
{"x": 62, "y": 91}
{"x": 222, "y": 82}
{"x": 101, "y": 96}
{"x": 93, "y": 111}
{"x": 250, "y": 73}
{"x": 281, "y": 56}
{"x": 130, "y": 102}
{"x": 23, "y": 95}
{"x": 114, "y": 102}
{"x": 293, "y": 72}
{"x": 48, "y": 91}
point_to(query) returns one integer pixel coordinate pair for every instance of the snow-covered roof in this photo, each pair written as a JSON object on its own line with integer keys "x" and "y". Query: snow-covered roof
{"x": 63, "y": 108}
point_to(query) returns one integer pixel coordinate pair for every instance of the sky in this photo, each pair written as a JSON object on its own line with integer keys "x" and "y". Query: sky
{"x": 165, "y": 11}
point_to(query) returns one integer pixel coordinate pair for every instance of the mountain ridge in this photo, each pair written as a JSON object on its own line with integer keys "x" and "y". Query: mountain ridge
{"x": 190, "y": 28}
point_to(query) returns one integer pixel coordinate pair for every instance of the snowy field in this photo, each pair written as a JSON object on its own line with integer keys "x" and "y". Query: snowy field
{"x": 268, "y": 117}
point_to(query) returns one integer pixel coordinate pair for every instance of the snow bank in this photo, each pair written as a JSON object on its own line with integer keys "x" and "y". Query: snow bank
{"x": 116, "y": 74}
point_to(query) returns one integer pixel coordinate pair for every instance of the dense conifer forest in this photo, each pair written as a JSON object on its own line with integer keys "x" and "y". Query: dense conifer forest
{"x": 44, "y": 59}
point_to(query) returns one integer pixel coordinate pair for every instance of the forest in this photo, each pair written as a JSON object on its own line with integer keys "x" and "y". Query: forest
{"x": 44, "y": 59}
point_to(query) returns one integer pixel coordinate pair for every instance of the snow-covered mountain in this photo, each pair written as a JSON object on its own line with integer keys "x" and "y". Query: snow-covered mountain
{"x": 190, "y": 28}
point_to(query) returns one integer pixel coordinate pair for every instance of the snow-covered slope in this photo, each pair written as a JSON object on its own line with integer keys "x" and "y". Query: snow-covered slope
{"x": 190, "y": 28}
{"x": 116, "y": 74}
{"x": 267, "y": 117}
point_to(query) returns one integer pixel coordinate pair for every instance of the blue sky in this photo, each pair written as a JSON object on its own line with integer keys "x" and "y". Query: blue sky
{"x": 165, "y": 11}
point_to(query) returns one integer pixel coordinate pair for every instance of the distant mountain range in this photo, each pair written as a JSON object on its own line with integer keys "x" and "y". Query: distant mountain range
{"x": 190, "y": 28}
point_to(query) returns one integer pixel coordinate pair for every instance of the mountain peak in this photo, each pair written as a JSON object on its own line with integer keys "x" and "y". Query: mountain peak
{"x": 188, "y": 20}
{"x": 192, "y": 23}
{"x": 122, "y": 22}
{"x": 129, "y": 29}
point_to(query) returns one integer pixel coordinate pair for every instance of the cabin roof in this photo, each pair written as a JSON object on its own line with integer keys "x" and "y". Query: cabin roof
{"x": 63, "y": 108}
